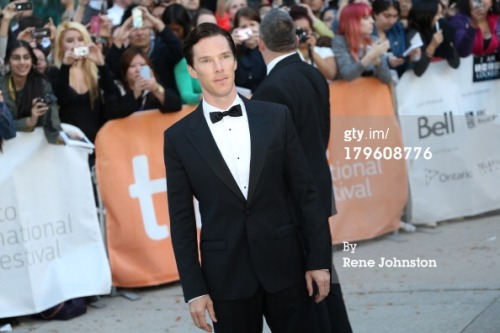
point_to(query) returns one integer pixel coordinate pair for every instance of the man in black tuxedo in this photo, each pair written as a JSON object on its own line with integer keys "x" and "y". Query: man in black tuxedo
{"x": 243, "y": 165}
{"x": 304, "y": 90}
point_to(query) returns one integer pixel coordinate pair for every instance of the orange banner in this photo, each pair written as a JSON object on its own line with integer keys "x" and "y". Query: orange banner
{"x": 371, "y": 193}
{"x": 367, "y": 160}
{"x": 132, "y": 183}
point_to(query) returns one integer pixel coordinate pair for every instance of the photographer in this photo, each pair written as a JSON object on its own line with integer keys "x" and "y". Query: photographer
{"x": 251, "y": 68}
{"x": 80, "y": 78}
{"x": 164, "y": 50}
{"x": 27, "y": 93}
{"x": 320, "y": 57}
{"x": 140, "y": 89}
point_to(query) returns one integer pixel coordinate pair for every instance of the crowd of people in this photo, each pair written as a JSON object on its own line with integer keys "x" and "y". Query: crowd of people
{"x": 47, "y": 80}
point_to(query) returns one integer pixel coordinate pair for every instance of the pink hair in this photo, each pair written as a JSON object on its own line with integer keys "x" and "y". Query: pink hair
{"x": 350, "y": 26}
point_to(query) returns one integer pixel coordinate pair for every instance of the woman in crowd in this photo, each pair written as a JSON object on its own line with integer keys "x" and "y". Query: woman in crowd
{"x": 437, "y": 35}
{"x": 477, "y": 28}
{"x": 7, "y": 126}
{"x": 27, "y": 94}
{"x": 176, "y": 18}
{"x": 388, "y": 27}
{"x": 405, "y": 7}
{"x": 251, "y": 68}
{"x": 81, "y": 80}
{"x": 328, "y": 17}
{"x": 226, "y": 12}
{"x": 354, "y": 51}
{"x": 140, "y": 90}
{"x": 320, "y": 57}
{"x": 41, "y": 61}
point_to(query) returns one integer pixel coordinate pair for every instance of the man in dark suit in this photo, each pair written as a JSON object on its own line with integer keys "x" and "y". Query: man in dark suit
{"x": 304, "y": 90}
{"x": 243, "y": 165}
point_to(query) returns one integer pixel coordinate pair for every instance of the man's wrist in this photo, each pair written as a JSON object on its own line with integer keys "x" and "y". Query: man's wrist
{"x": 194, "y": 299}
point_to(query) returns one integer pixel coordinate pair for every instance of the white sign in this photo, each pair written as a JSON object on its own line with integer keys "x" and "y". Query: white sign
{"x": 50, "y": 240}
{"x": 458, "y": 120}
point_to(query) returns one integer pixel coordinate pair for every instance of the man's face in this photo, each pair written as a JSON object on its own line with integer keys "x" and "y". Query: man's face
{"x": 214, "y": 65}
{"x": 139, "y": 37}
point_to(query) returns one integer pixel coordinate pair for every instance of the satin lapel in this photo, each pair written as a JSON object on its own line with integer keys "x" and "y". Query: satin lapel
{"x": 203, "y": 142}
{"x": 257, "y": 125}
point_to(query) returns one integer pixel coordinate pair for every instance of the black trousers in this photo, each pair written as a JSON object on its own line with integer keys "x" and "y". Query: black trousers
{"x": 287, "y": 311}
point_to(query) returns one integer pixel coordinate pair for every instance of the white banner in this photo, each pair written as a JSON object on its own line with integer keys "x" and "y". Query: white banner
{"x": 459, "y": 121}
{"x": 51, "y": 247}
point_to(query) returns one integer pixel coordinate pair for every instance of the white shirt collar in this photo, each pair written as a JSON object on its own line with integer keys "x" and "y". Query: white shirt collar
{"x": 275, "y": 61}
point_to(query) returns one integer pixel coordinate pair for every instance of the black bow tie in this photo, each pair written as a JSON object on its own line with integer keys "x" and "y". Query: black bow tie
{"x": 234, "y": 111}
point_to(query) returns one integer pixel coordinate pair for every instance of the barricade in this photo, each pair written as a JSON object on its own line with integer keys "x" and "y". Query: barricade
{"x": 132, "y": 184}
{"x": 370, "y": 185}
{"x": 457, "y": 120}
{"x": 51, "y": 246}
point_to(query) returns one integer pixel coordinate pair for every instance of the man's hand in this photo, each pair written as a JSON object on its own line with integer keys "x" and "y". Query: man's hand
{"x": 197, "y": 309}
{"x": 322, "y": 280}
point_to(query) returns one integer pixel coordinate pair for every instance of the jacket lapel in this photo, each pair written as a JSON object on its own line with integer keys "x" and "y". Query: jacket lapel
{"x": 203, "y": 142}
{"x": 257, "y": 125}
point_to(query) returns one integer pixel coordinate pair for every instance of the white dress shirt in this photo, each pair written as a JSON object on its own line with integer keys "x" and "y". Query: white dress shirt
{"x": 232, "y": 136}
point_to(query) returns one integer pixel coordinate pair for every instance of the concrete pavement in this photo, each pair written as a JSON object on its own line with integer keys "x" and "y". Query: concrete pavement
{"x": 460, "y": 295}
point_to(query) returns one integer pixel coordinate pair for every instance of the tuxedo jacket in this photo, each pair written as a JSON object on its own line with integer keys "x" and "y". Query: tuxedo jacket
{"x": 243, "y": 242}
{"x": 304, "y": 90}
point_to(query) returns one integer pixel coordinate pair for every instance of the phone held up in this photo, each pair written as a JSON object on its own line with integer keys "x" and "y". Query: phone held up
{"x": 40, "y": 33}
{"x": 136, "y": 18}
{"x": 20, "y": 6}
{"x": 145, "y": 72}
{"x": 95, "y": 26}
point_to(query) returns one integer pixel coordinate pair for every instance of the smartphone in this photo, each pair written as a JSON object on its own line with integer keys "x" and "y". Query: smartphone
{"x": 24, "y": 6}
{"x": 40, "y": 33}
{"x": 477, "y": 3}
{"x": 145, "y": 72}
{"x": 437, "y": 26}
{"x": 95, "y": 25}
{"x": 136, "y": 18}
{"x": 245, "y": 33}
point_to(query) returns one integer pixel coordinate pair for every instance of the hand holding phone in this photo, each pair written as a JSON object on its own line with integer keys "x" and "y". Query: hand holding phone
{"x": 136, "y": 18}
{"x": 244, "y": 33}
{"x": 20, "y": 6}
{"x": 95, "y": 25}
{"x": 145, "y": 72}
{"x": 40, "y": 33}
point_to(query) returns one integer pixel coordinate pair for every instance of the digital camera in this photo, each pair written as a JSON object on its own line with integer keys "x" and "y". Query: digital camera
{"x": 81, "y": 51}
{"x": 302, "y": 35}
{"x": 48, "y": 99}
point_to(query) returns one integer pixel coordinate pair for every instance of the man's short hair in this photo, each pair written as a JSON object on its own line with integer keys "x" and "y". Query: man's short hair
{"x": 277, "y": 31}
{"x": 202, "y": 31}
